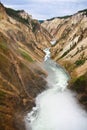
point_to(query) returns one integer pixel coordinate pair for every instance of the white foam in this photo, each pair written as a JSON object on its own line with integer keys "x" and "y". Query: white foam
{"x": 53, "y": 42}
{"x": 47, "y": 56}
{"x": 56, "y": 108}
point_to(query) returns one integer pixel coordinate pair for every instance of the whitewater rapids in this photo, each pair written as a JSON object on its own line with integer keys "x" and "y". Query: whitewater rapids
{"x": 56, "y": 108}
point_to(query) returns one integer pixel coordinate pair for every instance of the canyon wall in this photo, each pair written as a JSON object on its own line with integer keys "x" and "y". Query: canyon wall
{"x": 70, "y": 49}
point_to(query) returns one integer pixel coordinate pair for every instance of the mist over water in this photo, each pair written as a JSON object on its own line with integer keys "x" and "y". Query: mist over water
{"x": 56, "y": 108}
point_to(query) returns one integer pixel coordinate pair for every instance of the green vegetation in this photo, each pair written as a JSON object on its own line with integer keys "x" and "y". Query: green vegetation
{"x": 26, "y": 56}
{"x": 5, "y": 67}
{"x": 62, "y": 17}
{"x": 80, "y": 84}
{"x": 85, "y": 10}
{"x": 65, "y": 17}
{"x": 3, "y": 46}
{"x": 14, "y": 14}
{"x": 80, "y": 62}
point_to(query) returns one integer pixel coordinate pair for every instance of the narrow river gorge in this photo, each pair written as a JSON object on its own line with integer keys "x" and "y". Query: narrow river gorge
{"x": 56, "y": 108}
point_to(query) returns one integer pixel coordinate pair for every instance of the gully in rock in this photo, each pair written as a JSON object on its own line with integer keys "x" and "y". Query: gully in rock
{"x": 56, "y": 108}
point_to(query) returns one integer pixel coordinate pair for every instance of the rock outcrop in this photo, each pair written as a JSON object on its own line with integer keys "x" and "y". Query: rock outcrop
{"x": 22, "y": 41}
{"x": 70, "y": 49}
{"x": 3, "y": 14}
{"x": 70, "y": 34}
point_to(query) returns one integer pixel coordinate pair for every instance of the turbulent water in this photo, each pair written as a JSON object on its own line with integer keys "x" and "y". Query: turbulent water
{"x": 53, "y": 42}
{"x": 56, "y": 108}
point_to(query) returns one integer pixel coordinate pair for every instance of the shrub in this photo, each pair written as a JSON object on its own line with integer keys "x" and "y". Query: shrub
{"x": 80, "y": 84}
{"x": 80, "y": 62}
{"x": 14, "y": 14}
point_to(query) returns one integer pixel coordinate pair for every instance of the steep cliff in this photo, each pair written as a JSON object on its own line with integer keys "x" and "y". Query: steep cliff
{"x": 70, "y": 34}
{"x": 70, "y": 49}
{"x": 20, "y": 28}
{"x": 22, "y": 41}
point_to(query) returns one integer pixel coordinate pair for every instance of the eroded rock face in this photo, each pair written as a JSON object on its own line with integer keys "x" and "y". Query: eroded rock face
{"x": 23, "y": 30}
{"x": 21, "y": 79}
{"x": 70, "y": 49}
{"x": 3, "y": 14}
{"x": 22, "y": 41}
{"x": 71, "y": 40}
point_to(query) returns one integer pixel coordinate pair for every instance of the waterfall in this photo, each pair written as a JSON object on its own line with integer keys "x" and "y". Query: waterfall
{"x": 56, "y": 108}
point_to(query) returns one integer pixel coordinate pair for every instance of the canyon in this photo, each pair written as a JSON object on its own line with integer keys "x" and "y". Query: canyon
{"x": 70, "y": 34}
{"x": 22, "y": 76}
{"x": 56, "y": 107}
{"x": 70, "y": 49}
{"x": 22, "y": 40}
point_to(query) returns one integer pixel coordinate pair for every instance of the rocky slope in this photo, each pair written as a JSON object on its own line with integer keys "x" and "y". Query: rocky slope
{"x": 19, "y": 27}
{"x": 22, "y": 40}
{"x": 70, "y": 49}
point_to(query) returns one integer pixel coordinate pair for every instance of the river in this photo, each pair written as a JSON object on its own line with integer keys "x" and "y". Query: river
{"x": 56, "y": 107}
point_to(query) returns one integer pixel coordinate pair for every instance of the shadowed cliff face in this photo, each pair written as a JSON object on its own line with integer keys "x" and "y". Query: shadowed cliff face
{"x": 21, "y": 45}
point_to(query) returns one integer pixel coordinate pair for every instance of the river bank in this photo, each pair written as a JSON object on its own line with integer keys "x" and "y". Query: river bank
{"x": 77, "y": 83}
{"x": 56, "y": 107}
